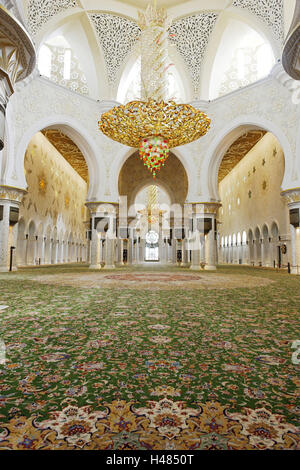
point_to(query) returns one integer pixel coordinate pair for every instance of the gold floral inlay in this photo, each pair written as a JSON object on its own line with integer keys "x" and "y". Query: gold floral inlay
{"x": 42, "y": 185}
{"x": 69, "y": 150}
{"x": 67, "y": 201}
{"x": 238, "y": 150}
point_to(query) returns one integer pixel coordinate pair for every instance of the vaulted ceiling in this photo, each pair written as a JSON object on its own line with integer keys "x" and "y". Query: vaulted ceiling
{"x": 110, "y": 27}
{"x": 160, "y": 3}
{"x": 69, "y": 150}
{"x": 239, "y": 150}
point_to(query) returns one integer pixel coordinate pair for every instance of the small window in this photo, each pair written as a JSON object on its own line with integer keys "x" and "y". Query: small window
{"x": 67, "y": 64}
{"x": 45, "y": 61}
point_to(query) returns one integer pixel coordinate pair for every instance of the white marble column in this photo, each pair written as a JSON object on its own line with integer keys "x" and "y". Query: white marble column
{"x": 142, "y": 250}
{"x": 87, "y": 250}
{"x": 204, "y": 246}
{"x": 164, "y": 252}
{"x": 185, "y": 254}
{"x": 43, "y": 250}
{"x": 137, "y": 251}
{"x": 31, "y": 250}
{"x": 174, "y": 253}
{"x": 292, "y": 198}
{"x": 95, "y": 251}
{"x": 95, "y": 247}
{"x": 169, "y": 251}
{"x": 10, "y": 198}
{"x": 120, "y": 250}
{"x": 4, "y": 235}
{"x": 210, "y": 249}
{"x": 54, "y": 252}
{"x": 195, "y": 247}
{"x": 129, "y": 251}
{"x": 265, "y": 250}
{"x": 245, "y": 253}
{"x": 109, "y": 253}
{"x": 134, "y": 252}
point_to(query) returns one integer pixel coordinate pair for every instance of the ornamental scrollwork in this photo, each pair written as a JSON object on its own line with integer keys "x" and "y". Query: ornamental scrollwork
{"x": 39, "y": 12}
{"x": 117, "y": 37}
{"x": 191, "y": 36}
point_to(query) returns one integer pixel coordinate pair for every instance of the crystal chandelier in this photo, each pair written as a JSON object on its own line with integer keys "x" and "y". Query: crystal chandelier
{"x": 154, "y": 125}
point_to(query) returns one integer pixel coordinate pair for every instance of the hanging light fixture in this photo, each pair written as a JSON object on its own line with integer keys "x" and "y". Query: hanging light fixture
{"x": 154, "y": 125}
{"x": 154, "y": 151}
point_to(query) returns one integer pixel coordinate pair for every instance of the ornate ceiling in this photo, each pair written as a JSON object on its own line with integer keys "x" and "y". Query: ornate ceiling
{"x": 191, "y": 35}
{"x": 269, "y": 11}
{"x": 115, "y": 29}
{"x": 239, "y": 150}
{"x": 160, "y": 3}
{"x": 66, "y": 147}
{"x": 40, "y": 12}
{"x": 117, "y": 36}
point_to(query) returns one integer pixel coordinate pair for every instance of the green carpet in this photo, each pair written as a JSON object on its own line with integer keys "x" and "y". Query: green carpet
{"x": 140, "y": 369}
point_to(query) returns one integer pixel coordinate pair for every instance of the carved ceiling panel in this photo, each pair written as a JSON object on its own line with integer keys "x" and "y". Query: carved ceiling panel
{"x": 117, "y": 36}
{"x": 39, "y": 12}
{"x": 66, "y": 147}
{"x": 191, "y": 36}
{"x": 239, "y": 150}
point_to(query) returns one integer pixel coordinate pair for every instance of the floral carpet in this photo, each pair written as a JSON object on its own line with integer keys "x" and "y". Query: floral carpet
{"x": 154, "y": 280}
{"x": 182, "y": 369}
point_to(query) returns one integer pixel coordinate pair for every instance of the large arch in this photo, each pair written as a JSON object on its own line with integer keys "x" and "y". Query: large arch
{"x": 227, "y": 137}
{"x": 133, "y": 176}
{"x": 237, "y": 14}
{"x": 143, "y": 185}
{"x": 119, "y": 162}
{"x": 72, "y": 129}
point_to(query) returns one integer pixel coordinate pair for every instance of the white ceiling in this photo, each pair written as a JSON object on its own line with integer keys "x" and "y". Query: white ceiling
{"x": 196, "y": 42}
{"x": 160, "y": 3}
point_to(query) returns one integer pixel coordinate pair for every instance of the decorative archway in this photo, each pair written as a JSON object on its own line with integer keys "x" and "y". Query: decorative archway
{"x": 133, "y": 176}
{"x": 225, "y": 139}
{"x": 72, "y": 129}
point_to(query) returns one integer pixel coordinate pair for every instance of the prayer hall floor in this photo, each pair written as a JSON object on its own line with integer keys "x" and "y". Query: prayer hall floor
{"x": 149, "y": 358}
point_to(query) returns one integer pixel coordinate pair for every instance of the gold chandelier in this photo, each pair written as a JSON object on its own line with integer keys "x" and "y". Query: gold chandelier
{"x": 154, "y": 125}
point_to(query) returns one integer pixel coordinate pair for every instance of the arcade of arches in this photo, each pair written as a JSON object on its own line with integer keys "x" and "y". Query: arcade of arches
{"x": 139, "y": 312}
{"x": 250, "y": 225}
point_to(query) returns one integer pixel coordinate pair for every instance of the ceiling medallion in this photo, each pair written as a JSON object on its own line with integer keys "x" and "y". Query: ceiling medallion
{"x": 154, "y": 125}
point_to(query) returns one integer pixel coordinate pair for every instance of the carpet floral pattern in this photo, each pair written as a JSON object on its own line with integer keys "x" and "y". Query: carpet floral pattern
{"x": 132, "y": 369}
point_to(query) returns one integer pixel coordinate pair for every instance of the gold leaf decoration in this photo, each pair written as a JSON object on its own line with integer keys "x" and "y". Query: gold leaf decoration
{"x": 69, "y": 150}
{"x": 238, "y": 150}
{"x": 179, "y": 124}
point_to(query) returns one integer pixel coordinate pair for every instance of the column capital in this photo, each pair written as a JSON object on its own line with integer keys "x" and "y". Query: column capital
{"x": 11, "y": 194}
{"x": 97, "y": 207}
{"x": 206, "y": 208}
{"x": 292, "y": 197}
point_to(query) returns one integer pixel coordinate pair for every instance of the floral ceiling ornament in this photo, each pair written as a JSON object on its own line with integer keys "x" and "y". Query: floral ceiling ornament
{"x": 154, "y": 125}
